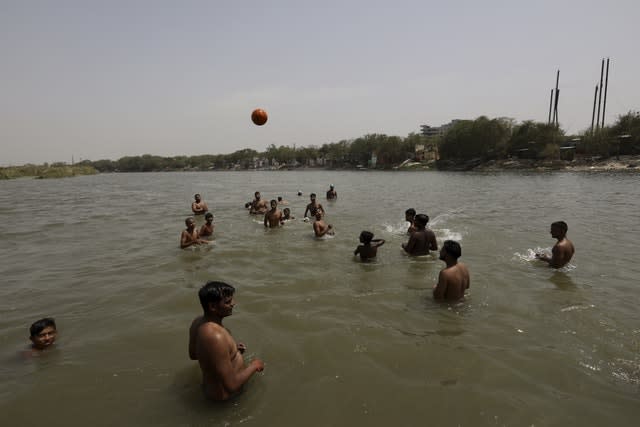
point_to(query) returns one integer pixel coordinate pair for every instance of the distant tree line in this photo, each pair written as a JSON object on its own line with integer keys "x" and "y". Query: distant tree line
{"x": 481, "y": 139}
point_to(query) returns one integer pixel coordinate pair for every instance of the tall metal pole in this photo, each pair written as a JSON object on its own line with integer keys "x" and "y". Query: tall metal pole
{"x": 600, "y": 94}
{"x": 593, "y": 115}
{"x": 550, "y": 105}
{"x": 555, "y": 107}
{"x": 606, "y": 84}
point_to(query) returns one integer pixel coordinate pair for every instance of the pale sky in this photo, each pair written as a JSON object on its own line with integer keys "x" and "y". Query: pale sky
{"x": 106, "y": 79}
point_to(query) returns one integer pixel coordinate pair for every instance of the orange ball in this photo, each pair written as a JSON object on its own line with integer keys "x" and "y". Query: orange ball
{"x": 259, "y": 116}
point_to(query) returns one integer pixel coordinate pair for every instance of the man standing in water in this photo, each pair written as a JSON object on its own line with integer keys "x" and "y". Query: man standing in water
{"x": 273, "y": 217}
{"x": 190, "y": 237}
{"x": 320, "y": 228}
{"x": 331, "y": 193}
{"x": 220, "y": 357}
{"x": 313, "y": 207}
{"x": 258, "y": 206}
{"x": 563, "y": 250}
{"x": 199, "y": 207}
{"x": 422, "y": 240}
{"x": 454, "y": 279}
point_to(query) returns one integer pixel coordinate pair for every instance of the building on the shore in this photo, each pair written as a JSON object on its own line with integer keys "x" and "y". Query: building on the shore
{"x": 435, "y": 131}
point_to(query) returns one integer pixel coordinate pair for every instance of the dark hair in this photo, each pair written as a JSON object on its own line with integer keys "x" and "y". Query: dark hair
{"x": 410, "y": 211}
{"x": 186, "y": 221}
{"x": 366, "y": 237}
{"x": 312, "y": 195}
{"x": 213, "y": 292}
{"x": 422, "y": 220}
{"x": 196, "y": 195}
{"x": 279, "y": 198}
{"x": 452, "y": 248}
{"x": 208, "y": 215}
{"x": 273, "y": 201}
{"x": 39, "y": 325}
{"x": 287, "y": 210}
{"x": 561, "y": 225}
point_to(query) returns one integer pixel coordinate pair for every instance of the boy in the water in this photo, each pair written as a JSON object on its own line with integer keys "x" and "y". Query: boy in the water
{"x": 369, "y": 247}
{"x": 43, "y": 334}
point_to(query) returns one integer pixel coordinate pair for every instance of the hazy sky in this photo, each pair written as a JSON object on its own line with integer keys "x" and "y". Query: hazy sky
{"x": 105, "y": 79}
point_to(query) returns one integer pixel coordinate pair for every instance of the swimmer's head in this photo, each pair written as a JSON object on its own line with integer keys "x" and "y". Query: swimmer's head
{"x": 559, "y": 229}
{"x": 410, "y": 214}
{"x": 247, "y": 205}
{"x": 299, "y": 193}
{"x": 318, "y": 215}
{"x": 197, "y": 197}
{"x": 331, "y": 186}
{"x": 451, "y": 248}
{"x": 213, "y": 292}
{"x": 208, "y": 216}
{"x": 366, "y": 237}
{"x": 279, "y": 199}
{"x": 257, "y": 195}
{"x": 421, "y": 220}
{"x": 43, "y": 333}
{"x": 273, "y": 204}
{"x": 189, "y": 222}
{"x": 312, "y": 196}
{"x": 287, "y": 211}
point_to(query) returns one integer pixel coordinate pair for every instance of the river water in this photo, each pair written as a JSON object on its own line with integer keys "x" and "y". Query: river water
{"x": 345, "y": 343}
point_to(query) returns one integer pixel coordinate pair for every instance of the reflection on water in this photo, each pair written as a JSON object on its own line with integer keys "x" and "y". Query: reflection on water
{"x": 345, "y": 342}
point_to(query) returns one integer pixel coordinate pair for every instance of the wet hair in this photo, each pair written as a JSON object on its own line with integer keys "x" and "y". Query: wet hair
{"x": 196, "y": 195}
{"x": 421, "y": 219}
{"x": 39, "y": 325}
{"x": 312, "y": 195}
{"x": 279, "y": 198}
{"x": 186, "y": 221}
{"x": 561, "y": 225}
{"x": 214, "y": 292}
{"x": 366, "y": 237}
{"x": 287, "y": 210}
{"x": 208, "y": 215}
{"x": 410, "y": 211}
{"x": 452, "y": 248}
{"x": 299, "y": 193}
{"x": 273, "y": 201}
{"x": 256, "y": 193}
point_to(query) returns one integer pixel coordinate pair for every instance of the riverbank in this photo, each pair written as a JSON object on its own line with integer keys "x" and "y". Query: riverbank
{"x": 622, "y": 163}
{"x": 44, "y": 172}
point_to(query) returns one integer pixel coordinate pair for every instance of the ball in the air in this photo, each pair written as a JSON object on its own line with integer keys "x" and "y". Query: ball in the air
{"x": 259, "y": 116}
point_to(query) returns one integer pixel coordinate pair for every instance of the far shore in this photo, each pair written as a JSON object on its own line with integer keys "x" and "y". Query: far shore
{"x": 626, "y": 163}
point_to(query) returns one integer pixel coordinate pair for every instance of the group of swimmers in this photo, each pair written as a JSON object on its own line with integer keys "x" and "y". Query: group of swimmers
{"x": 221, "y": 358}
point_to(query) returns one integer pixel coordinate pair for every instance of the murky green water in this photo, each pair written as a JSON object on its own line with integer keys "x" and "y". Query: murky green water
{"x": 345, "y": 343}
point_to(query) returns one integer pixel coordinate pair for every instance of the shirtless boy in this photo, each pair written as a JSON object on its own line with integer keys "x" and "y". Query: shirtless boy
{"x": 454, "y": 279}
{"x": 313, "y": 207}
{"x": 563, "y": 250}
{"x": 410, "y": 216}
{"x": 43, "y": 334}
{"x": 258, "y": 206}
{"x": 208, "y": 227}
{"x": 369, "y": 247}
{"x": 320, "y": 228}
{"x": 422, "y": 240}
{"x": 190, "y": 237}
{"x": 220, "y": 357}
{"x": 198, "y": 207}
{"x": 331, "y": 193}
{"x": 273, "y": 218}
